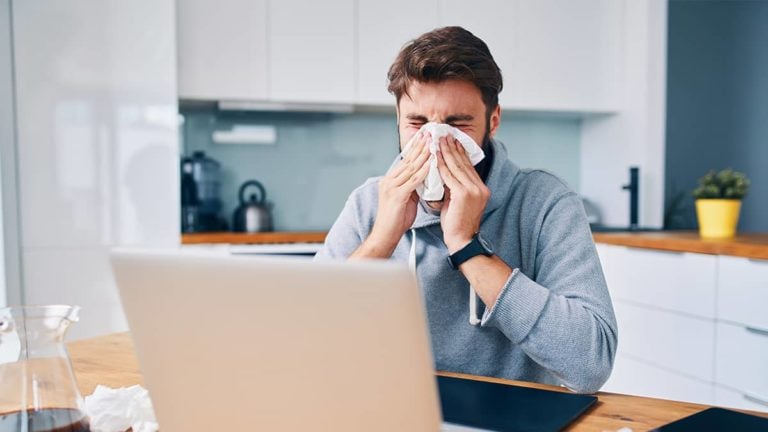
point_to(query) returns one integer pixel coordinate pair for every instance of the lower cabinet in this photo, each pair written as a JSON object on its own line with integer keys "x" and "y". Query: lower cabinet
{"x": 675, "y": 347}
{"x": 637, "y": 377}
{"x": 730, "y": 398}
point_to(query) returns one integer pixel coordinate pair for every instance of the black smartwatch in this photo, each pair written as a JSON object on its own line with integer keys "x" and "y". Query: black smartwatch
{"x": 478, "y": 246}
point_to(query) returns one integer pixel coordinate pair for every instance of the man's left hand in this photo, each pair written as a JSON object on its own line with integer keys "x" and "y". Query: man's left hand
{"x": 465, "y": 196}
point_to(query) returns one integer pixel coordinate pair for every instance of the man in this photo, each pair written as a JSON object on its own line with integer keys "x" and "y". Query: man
{"x": 547, "y": 313}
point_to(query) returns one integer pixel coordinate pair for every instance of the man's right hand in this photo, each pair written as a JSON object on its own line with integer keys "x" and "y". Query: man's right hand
{"x": 398, "y": 202}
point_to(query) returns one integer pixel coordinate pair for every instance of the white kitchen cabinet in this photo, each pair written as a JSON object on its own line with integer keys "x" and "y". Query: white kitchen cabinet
{"x": 742, "y": 359}
{"x": 682, "y": 282}
{"x": 743, "y": 291}
{"x": 733, "y": 399}
{"x": 636, "y": 377}
{"x": 382, "y": 29}
{"x": 311, "y": 53}
{"x": 554, "y": 55}
{"x": 222, "y": 49}
{"x": 496, "y": 23}
{"x": 672, "y": 341}
{"x": 568, "y": 55}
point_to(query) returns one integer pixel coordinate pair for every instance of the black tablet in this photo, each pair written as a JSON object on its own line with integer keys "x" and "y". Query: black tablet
{"x": 502, "y": 408}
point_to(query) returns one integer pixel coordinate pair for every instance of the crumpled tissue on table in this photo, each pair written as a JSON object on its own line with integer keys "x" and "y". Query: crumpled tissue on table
{"x": 433, "y": 187}
{"x": 117, "y": 410}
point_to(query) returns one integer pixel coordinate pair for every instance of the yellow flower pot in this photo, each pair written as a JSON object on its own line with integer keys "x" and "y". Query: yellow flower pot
{"x": 718, "y": 218}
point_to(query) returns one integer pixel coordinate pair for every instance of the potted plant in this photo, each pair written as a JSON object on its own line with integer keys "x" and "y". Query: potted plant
{"x": 718, "y": 202}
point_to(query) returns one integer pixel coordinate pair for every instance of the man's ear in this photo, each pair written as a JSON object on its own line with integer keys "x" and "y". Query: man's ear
{"x": 495, "y": 120}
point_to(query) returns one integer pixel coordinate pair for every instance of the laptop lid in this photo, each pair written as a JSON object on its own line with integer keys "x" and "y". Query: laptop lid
{"x": 243, "y": 343}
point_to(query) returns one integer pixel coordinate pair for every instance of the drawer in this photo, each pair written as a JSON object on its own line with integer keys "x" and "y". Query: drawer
{"x": 733, "y": 399}
{"x": 635, "y": 377}
{"x": 743, "y": 291}
{"x": 681, "y": 343}
{"x": 683, "y": 282}
{"x": 742, "y": 359}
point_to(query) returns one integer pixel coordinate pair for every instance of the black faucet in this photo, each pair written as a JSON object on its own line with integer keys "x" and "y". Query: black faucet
{"x": 633, "y": 187}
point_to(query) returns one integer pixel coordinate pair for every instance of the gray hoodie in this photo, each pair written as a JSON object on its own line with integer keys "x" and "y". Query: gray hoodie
{"x": 553, "y": 321}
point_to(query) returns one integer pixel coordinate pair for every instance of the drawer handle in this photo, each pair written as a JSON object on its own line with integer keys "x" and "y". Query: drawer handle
{"x": 757, "y": 331}
{"x": 755, "y": 399}
{"x": 758, "y": 261}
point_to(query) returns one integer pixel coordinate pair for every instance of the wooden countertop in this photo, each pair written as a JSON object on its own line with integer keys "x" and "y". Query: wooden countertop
{"x": 255, "y": 238}
{"x": 110, "y": 360}
{"x": 753, "y": 246}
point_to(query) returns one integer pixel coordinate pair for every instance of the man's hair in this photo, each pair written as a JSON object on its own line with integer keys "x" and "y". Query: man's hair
{"x": 443, "y": 54}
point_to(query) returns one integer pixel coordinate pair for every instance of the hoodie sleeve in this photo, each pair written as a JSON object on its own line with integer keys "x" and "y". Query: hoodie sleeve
{"x": 561, "y": 316}
{"x": 346, "y": 234}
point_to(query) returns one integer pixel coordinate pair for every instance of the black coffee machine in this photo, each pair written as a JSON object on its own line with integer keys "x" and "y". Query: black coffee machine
{"x": 200, "y": 194}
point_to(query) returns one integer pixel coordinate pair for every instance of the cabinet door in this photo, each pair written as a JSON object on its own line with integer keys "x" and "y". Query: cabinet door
{"x": 734, "y": 399}
{"x": 635, "y": 377}
{"x": 683, "y": 282}
{"x": 743, "y": 291}
{"x": 742, "y": 360}
{"x": 568, "y": 55}
{"x": 222, "y": 49}
{"x": 493, "y": 21}
{"x": 383, "y": 28}
{"x": 311, "y": 55}
{"x": 673, "y": 341}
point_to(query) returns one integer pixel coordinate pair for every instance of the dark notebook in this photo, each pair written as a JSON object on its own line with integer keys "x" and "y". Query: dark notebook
{"x": 717, "y": 419}
{"x": 502, "y": 408}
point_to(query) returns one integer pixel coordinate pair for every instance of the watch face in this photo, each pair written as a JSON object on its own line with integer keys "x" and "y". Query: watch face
{"x": 484, "y": 244}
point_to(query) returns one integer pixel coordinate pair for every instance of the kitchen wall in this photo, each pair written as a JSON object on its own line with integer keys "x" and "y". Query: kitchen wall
{"x": 319, "y": 158}
{"x": 717, "y": 102}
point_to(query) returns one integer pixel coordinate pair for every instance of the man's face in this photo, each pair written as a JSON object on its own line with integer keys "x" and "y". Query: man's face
{"x": 455, "y": 102}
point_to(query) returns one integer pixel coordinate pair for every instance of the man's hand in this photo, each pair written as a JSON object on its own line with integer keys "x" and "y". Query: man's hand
{"x": 465, "y": 197}
{"x": 397, "y": 202}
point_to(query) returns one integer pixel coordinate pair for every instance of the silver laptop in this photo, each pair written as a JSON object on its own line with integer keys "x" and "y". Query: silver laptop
{"x": 268, "y": 344}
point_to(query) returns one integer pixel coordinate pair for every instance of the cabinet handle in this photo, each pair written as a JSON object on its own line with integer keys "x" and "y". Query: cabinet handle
{"x": 757, "y": 331}
{"x": 758, "y": 261}
{"x": 755, "y": 399}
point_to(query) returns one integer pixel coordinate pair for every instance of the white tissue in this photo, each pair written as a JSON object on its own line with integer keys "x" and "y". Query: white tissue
{"x": 432, "y": 189}
{"x": 117, "y": 410}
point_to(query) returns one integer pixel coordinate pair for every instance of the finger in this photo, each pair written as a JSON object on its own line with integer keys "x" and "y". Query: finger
{"x": 462, "y": 154}
{"x": 445, "y": 173}
{"x": 419, "y": 176}
{"x": 412, "y": 168}
{"x": 414, "y": 152}
{"x": 457, "y": 170}
{"x": 418, "y": 144}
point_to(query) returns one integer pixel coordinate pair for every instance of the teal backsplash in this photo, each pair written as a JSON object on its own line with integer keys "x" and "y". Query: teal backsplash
{"x": 319, "y": 158}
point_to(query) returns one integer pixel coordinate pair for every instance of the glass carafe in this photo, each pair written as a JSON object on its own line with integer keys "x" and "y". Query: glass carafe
{"x": 38, "y": 391}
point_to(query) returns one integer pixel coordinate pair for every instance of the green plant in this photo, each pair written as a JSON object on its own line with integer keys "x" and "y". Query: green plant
{"x": 726, "y": 184}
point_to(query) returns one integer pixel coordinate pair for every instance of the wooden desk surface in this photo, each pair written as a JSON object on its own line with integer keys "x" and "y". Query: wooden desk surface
{"x": 110, "y": 360}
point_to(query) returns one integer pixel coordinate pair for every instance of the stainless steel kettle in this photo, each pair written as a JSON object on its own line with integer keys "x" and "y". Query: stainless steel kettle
{"x": 253, "y": 215}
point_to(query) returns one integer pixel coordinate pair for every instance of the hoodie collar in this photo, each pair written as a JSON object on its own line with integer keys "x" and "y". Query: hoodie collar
{"x": 499, "y": 181}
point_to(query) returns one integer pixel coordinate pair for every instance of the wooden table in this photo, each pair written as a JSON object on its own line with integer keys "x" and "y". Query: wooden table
{"x": 110, "y": 360}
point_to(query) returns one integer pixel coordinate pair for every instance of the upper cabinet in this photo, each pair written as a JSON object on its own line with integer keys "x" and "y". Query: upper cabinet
{"x": 312, "y": 55}
{"x": 555, "y": 55}
{"x": 383, "y": 27}
{"x": 222, "y": 49}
